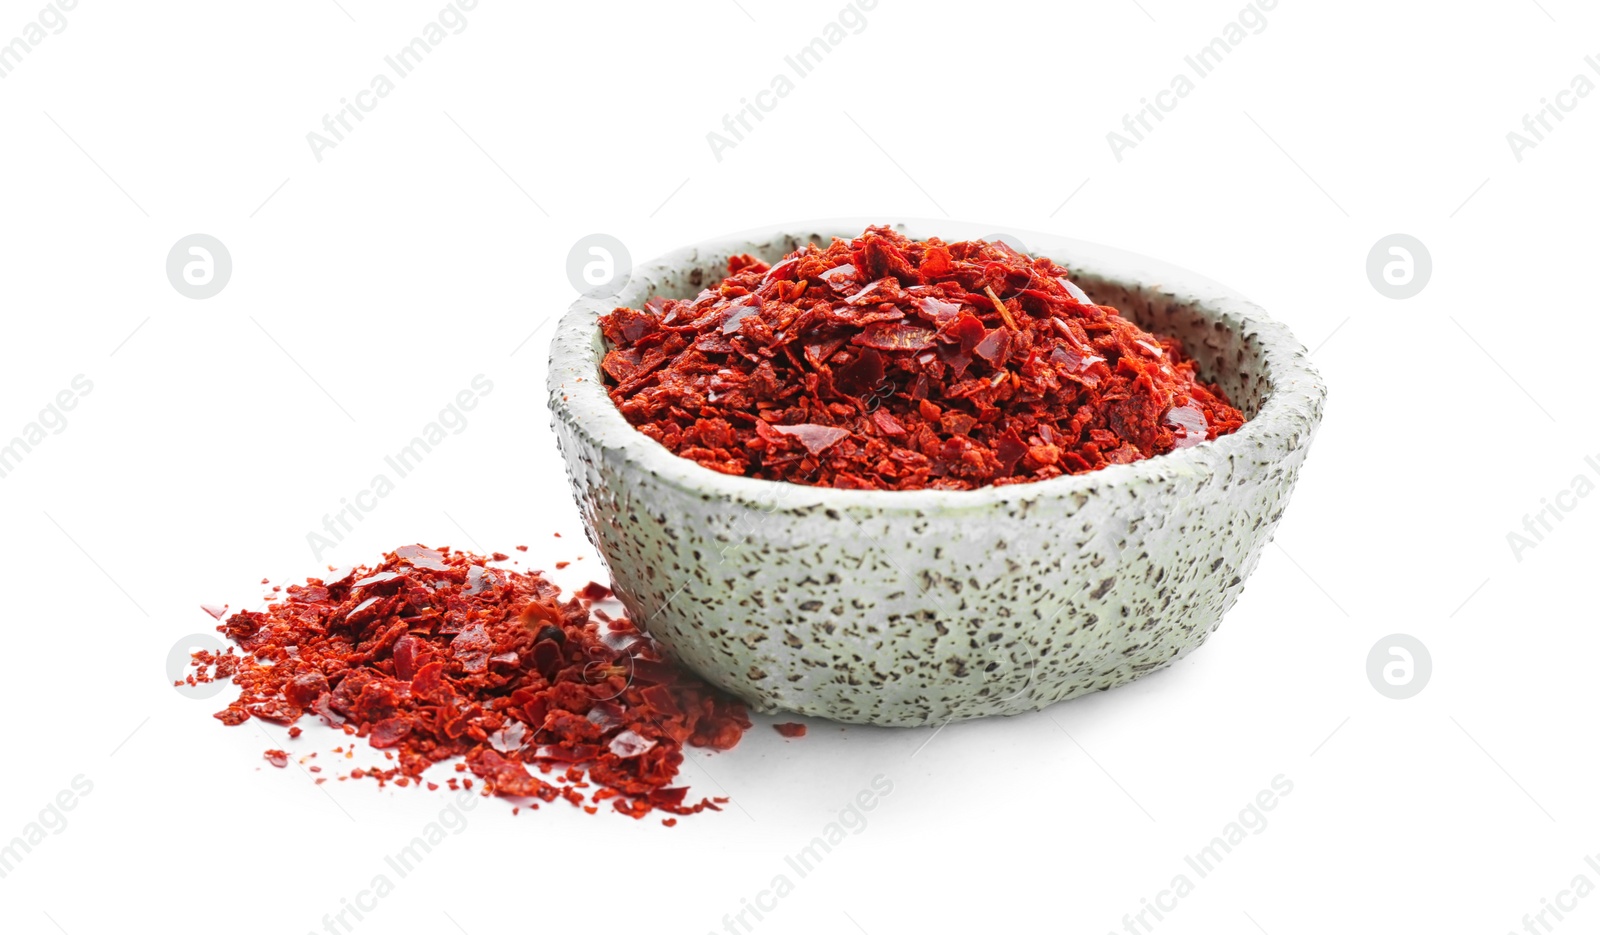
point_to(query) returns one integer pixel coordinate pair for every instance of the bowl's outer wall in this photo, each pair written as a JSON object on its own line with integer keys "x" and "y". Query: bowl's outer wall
{"x": 897, "y": 609}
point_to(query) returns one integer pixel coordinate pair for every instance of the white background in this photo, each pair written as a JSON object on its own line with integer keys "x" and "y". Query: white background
{"x": 368, "y": 288}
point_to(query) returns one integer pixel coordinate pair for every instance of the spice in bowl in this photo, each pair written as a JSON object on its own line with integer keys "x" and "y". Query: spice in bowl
{"x": 886, "y": 363}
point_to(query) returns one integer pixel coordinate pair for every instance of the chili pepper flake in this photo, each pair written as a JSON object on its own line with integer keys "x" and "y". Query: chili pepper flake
{"x": 885, "y": 363}
{"x": 432, "y": 658}
{"x": 1191, "y": 420}
{"x": 790, "y": 730}
{"x": 816, "y": 438}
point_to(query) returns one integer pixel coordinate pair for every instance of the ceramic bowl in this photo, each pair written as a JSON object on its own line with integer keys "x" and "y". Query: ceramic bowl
{"x": 916, "y": 607}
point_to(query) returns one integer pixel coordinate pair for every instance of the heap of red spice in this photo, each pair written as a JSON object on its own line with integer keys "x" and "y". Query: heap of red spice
{"x": 887, "y": 363}
{"x": 433, "y": 656}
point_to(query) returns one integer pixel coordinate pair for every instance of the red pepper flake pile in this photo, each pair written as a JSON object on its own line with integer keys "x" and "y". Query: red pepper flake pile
{"x": 433, "y": 656}
{"x": 891, "y": 364}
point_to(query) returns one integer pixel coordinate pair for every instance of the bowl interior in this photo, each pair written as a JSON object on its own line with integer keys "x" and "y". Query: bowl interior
{"x": 1222, "y": 355}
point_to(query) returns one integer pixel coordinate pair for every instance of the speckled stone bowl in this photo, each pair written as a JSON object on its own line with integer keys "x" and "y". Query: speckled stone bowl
{"x": 915, "y": 607}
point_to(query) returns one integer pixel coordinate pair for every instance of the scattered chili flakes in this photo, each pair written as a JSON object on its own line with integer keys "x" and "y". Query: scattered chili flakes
{"x": 790, "y": 730}
{"x": 430, "y": 656}
{"x": 594, "y": 591}
{"x": 887, "y": 363}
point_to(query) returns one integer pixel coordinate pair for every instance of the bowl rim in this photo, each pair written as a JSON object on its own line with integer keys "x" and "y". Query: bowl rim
{"x": 1283, "y": 423}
